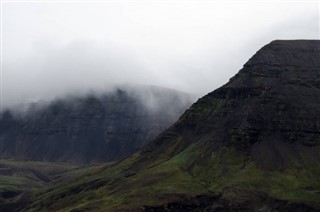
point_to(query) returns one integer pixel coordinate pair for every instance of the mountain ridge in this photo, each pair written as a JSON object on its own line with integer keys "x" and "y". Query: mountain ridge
{"x": 250, "y": 145}
{"x": 242, "y": 87}
{"x": 93, "y": 128}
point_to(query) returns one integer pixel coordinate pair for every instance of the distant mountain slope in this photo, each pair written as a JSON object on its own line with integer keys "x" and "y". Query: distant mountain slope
{"x": 251, "y": 145}
{"x": 95, "y": 128}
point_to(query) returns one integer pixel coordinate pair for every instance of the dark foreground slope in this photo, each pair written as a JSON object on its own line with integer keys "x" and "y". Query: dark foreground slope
{"x": 251, "y": 145}
{"x": 95, "y": 128}
{"x": 18, "y": 179}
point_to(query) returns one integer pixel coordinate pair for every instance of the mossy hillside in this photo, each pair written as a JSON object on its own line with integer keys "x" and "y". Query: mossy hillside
{"x": 19, "y": 179}
{"x": 228, "y": 168}
{"x": 82, "y": 185}
{"x": 116, "y": 188}
{"x": 190, "y": 173}
{"x": 200, "y": 110}
{"x": 18, "y": 183}
{"x": 30, "y": 174}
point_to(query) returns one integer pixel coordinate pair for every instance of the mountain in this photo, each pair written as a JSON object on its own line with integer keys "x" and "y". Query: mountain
{"x": 251, "y": 145}
{"x": 93, "y": 128}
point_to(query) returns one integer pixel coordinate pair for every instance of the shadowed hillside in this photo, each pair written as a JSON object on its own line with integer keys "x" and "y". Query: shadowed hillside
{"x": 95, "y": 128}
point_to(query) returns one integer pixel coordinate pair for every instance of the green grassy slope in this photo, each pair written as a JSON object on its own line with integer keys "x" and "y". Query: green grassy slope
{"x": 20, "y": 178}
{"x": 226, "y": 173}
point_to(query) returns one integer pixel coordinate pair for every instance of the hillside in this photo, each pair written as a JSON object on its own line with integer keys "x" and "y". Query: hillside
{"x": 251, "y": 145}
{"x": 20, "y": 178}
{"x": 92, "y": 128}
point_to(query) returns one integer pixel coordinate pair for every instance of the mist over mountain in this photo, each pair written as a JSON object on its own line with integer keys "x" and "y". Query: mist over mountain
{"x": 97, "y": 127}
{"x": 250, "y": 145}
{"x": 185, "y": 45}
{"x": 127, "y": 105}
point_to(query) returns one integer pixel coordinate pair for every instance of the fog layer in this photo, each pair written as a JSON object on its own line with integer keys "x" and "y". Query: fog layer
{"x": 53, "y": 49}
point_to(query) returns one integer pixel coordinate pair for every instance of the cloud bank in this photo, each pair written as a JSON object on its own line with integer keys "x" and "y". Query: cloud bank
{"x": 54, "y": 49}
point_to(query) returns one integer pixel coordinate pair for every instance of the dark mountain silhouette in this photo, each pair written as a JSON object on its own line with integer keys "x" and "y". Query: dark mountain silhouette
{"x": 251, "y": 145}
{"x": 269, "y": 110}
{"x": 95, "y": 128}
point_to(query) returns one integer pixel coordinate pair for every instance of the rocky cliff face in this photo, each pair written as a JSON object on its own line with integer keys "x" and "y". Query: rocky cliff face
{"x": 271, "y": 104}
{"x": 95, "y": 128}
{"x": 251, "y": 145}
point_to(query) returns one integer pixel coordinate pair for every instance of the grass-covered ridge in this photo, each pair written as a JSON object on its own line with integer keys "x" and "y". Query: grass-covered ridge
{"x": 190, "y": 173}
{"x": 18, "y": 179}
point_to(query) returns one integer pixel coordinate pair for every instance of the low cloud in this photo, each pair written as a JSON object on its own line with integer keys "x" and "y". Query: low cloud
{"x": 194, "y": 48}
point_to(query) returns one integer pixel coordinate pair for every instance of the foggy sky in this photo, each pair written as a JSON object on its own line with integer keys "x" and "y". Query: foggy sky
{"x": 53, "y": 48}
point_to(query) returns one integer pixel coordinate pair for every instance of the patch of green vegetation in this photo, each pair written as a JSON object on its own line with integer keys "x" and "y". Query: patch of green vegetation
{"x": 191, "y": 172}
{"x": 17, "y": 183}
{"x": 29, "y": 174}
{"x": 228, "y": 168}
{"x": 203, "y": 108}
{"x": 225, "y": 168}
{"x": 24, "y": 177}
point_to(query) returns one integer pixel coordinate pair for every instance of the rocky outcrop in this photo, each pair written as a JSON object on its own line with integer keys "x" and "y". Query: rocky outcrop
{"x": 95, "y": 128}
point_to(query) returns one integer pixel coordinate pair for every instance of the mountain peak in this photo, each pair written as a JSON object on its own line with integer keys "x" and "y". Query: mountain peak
{"x": 302, "y": 53}
{"x": 250, "y": 145}
{"x": 276, "y": 96}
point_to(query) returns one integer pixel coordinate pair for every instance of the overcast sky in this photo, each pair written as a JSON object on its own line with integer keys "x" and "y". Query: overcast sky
{"x": 53, "y": 48}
